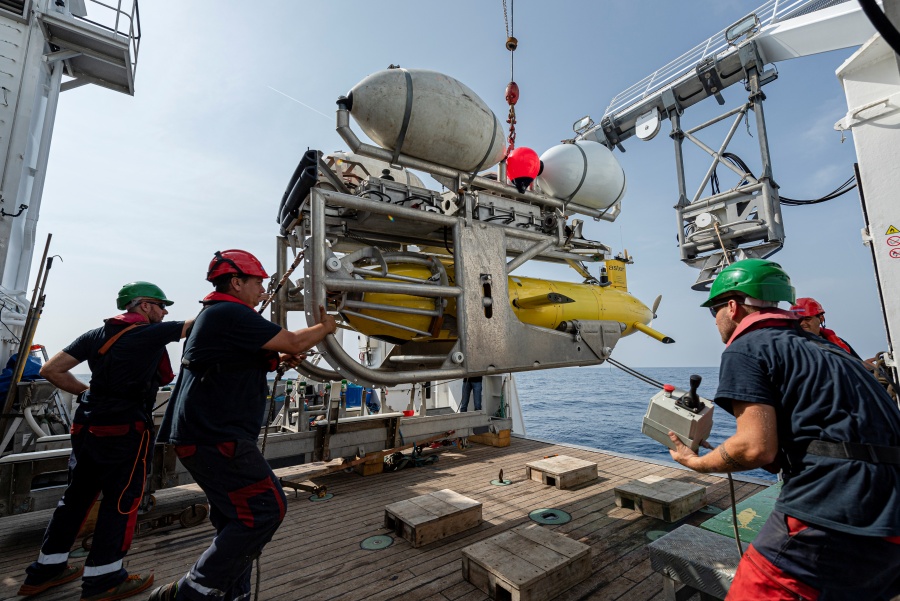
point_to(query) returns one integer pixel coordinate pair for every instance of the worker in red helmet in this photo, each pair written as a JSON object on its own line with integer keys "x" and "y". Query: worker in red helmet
{"x": 812, "y": 319}
{"x": 214, "y": 419}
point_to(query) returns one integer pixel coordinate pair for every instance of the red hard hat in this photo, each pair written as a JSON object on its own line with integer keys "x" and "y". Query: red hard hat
{"x": 807, "y": 307}
{"x": 234, "y": 261}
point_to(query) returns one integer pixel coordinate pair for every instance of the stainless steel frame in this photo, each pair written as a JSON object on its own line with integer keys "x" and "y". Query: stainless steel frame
{"x": 490, "y": 340}
{"x": 742, "y": 222}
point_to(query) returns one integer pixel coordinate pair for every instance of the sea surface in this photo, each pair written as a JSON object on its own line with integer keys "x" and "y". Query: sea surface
{"x": 602, "y": 407}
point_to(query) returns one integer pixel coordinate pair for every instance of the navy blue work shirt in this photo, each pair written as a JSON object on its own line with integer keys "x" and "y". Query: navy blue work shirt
{"x": 819, "y": 395}
{"x": 124, "y": 380}
{"x": 221, "y": 397}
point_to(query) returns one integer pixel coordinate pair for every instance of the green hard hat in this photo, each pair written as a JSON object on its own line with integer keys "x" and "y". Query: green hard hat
{"x": 134, "y": 290}
{"x": 756, "y": 278}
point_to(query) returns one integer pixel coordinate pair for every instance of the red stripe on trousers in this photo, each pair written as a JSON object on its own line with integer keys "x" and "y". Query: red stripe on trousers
{"x": 240, "y": 500}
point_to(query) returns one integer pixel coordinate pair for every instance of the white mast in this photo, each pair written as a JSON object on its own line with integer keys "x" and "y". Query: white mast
{"x": 41, "y": 42}
{"x": 871, "y": 81}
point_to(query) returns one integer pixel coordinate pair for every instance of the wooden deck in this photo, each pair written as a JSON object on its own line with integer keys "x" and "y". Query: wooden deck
{"x": 316, "y": 553}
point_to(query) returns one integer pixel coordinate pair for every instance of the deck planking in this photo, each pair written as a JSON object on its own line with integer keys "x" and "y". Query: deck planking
{"x": 316, "y": 556}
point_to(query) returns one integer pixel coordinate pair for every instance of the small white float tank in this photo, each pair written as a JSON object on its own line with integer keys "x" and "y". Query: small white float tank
{"x": 585, "y": 173}
{"x": 429, "y": 116}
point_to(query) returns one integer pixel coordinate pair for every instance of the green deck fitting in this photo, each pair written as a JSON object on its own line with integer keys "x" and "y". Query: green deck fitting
{"x": 550, "y": 516}
{"x": 376, "y": 543}
{"x": 752, "y": 513}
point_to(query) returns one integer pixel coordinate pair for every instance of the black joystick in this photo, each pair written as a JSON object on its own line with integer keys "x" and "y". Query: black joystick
{"x": 691, "y": 400}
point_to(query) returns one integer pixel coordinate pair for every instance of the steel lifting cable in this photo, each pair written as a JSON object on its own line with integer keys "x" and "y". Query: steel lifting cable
{"x": 282, "y": 367}
{"x": 734, "y": 521}
{"x": 635, "y": 373}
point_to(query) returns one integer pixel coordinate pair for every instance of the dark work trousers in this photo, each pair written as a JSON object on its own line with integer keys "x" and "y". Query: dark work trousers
{"x": 246, "y": 508}
{"x": 793, "y": 560}
{"x": 108, "y": 459}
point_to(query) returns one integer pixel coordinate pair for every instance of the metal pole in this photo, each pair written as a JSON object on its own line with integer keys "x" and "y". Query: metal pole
{"x": 717, "y": 155}
{"x": 392, "y": 308}
{"x": 678, "y": 137}
{"x": 770, "y": 206}
{"x": 37, "y": 301}
{"x": 278, "y": 314}
{"x": 529, "y": 254}
{"x": 426, "y": 290}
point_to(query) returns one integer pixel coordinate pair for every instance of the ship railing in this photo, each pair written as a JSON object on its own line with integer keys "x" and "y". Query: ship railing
{"x": 121, "y": 18}
{"x": 769, "y": 13}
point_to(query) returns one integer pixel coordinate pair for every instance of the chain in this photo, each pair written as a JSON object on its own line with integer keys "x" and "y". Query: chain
{"x": 505, "y": 18}
{"x": 512, "y": 89}
{"x": 511, "y": 119}
{"x": 281, "y": 282}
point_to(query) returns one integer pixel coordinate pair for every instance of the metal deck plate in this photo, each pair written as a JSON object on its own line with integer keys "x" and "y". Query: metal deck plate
{"x": 377, "y": 542}
{"x": 550, "y": 516}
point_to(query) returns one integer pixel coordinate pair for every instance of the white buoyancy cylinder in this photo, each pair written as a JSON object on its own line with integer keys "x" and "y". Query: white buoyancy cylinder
{"x": 429, "y": 116}
{"x": 352, "y": 164}
{"x": 585, "y": 173}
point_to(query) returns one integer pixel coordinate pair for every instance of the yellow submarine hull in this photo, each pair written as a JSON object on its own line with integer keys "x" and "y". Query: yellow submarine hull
{"x": 538, "y": 302}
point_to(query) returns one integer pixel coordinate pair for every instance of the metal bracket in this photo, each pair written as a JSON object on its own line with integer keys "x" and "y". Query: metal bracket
{"x": 60, "y": 55}
{"x": 883, "y": 107}
{"x": 608, "y": 127}
{"x": 599, "y": 336}
{"x": 670, "y": 101}
{"x": 709, "y": 79}
{"x": 867, "y": 238}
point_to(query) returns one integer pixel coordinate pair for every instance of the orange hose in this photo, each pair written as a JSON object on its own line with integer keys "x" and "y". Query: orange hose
{"x": 145, "y": 435}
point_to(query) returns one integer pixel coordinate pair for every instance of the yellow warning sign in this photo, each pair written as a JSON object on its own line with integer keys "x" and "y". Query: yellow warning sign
{"x": 892, "y": 230}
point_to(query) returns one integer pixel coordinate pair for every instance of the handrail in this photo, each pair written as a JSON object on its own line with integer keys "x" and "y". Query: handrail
{"x": 126, "y": 23}
{"x": 771, "y": 12}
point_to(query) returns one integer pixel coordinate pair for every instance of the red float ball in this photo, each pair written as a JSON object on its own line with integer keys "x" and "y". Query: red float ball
{"x": 522, "y": 162}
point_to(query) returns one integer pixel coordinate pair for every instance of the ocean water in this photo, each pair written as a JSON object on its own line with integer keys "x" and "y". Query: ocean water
{"x": 602, "y": 407}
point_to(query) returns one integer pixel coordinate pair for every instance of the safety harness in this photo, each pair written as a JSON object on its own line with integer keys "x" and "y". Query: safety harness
{"x": 205, "y": 369}
{"x": 164, "y": 372}
{"x": 769, "y": 318}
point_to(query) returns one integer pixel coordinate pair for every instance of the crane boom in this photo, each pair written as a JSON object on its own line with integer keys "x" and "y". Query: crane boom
{"x": 784, "y": 30}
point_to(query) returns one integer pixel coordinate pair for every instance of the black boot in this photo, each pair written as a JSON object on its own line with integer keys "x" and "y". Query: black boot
{"x": 164, "y": 593}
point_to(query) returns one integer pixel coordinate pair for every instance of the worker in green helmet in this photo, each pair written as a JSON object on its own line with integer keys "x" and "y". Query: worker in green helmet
{"x": 804, "y": 406}
{"x": 112, "y": 442}
{"x": 135, "y": 292}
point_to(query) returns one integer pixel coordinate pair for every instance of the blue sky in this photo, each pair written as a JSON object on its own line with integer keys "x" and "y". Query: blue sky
{"x": 149, "y": 187}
